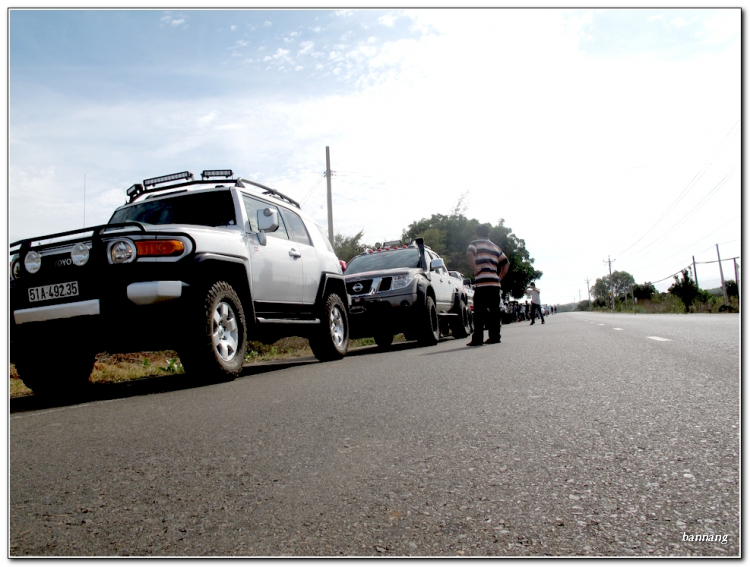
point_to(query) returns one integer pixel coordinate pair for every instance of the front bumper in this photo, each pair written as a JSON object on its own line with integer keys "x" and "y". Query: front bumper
{"x": 391, "y": 312}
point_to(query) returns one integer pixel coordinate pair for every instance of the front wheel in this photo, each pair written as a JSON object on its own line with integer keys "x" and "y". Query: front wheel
{"x": 462, "y": 327}
{"x": 429, "y": 328}
{"x": 216, "y": 348}
{"x": 331, "y": 341}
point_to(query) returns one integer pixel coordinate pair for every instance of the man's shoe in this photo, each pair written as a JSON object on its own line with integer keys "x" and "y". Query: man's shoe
{"x": 531, "y": 323}
{"x": 491, "y": 342}
{"x": 542, "y": 322}
{"x": 472, "y": 343}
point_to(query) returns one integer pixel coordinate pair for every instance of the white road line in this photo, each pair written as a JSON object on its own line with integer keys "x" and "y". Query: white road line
{"x": 658, "y": 339}
{"x": 601, "y": 324}
{"x": 618, "y": 329}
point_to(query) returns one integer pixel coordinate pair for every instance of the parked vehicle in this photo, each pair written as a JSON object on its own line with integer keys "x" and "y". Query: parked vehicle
{"x": 468, "y": 288}
{"x": 405, "y": 289}
{"x": 197, "y": 266}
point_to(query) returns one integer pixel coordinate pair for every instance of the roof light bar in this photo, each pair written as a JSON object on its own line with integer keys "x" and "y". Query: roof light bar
{"x": 216, "y": 173}
{"x": 134, "y": 190}
{"x": 165, "y": 178}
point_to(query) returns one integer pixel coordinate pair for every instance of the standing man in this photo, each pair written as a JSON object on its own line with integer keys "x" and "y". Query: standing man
{"x": 535, "y": 303}
{"x": 489, "y": 265}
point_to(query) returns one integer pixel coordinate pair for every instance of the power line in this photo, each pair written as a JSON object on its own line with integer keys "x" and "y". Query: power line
{"x": 309, "y": 193}
{"x": 708, "y": 196}
{"x": 687, "y": 189}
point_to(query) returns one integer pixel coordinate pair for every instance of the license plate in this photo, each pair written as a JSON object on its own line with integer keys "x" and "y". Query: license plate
{"x": 53, "y": 291}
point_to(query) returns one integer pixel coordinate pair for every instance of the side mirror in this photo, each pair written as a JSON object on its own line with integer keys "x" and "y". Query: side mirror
{"x": 268, "y": 220}
{"x": 467, "y": 281}
{"x": 437, "y": 263}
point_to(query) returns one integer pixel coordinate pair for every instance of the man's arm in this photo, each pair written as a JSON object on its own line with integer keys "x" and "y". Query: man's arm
{"x": 504, "y": 269}
{"x": 470, "y": 260}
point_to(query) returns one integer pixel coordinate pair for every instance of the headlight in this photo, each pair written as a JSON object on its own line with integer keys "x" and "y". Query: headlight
{"x": 401, "y": 281}
{"x": 15, "y": 268}
{"x": 121, "y": 252}
{"x": 80, "y": 254}
{"x": 33, "y": 262}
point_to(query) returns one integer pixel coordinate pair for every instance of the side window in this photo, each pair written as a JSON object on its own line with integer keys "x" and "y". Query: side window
{"x": 253, "y": 206}
{"x": 297, "y": 230}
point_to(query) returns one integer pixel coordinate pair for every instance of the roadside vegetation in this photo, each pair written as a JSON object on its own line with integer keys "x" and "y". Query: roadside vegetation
{"x": 114, "y": 368}
{"x": 683, "y": 296}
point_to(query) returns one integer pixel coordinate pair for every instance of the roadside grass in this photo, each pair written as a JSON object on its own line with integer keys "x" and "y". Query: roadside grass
{"x": 114, "y": 368}
{"x": 670, "y": 304}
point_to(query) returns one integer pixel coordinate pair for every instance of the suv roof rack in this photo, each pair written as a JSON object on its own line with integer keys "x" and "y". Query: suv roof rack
{"x": 269, "y": 191}
{"x": 150, "y": 185}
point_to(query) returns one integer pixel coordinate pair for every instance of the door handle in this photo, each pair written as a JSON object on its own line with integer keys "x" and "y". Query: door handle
{"x": 294, "y": 254}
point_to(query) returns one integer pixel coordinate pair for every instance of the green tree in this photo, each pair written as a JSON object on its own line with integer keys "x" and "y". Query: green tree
{"x": 347, "y": 247}
{"x": 687, "y": 290}
{"x": 450, "y": 235}
{"x": 644, "y": 290}
{"x": 621, "y": 282}
{"x": 732, "y": 290}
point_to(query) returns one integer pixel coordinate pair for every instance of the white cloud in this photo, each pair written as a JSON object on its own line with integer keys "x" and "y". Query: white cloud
{"x": 232, "y": 27}
{"x": 317, "y": 29}
{"x": 306, "y": 48}
{"x": 168, "y": 19}
{"x": 299, "y": 68}
{"x": 721, "y": 27}
{"x": 344, "y": 13}
{"x": 266, "y": 24}
{"x": 655, "y": 18}
{"x": 679, "y": 22}
{"x": 389, "y": 20}
{"x": 241, "y": 43}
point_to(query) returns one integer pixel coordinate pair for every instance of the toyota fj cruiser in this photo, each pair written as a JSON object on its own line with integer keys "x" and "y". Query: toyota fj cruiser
{"x": 197, "y": 266}
{"x": 405, "y": 289}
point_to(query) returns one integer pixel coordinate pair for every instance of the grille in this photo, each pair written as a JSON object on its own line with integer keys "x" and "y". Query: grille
{"x": 366, "y": 284}
{"x": 385, "y": 285}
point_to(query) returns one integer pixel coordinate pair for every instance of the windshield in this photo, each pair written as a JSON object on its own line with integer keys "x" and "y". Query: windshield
{"x": 210, "y": 208}
{"x": 407, "y": 258}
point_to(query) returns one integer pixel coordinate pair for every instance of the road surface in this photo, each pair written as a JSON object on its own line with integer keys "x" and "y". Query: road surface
{"x": 594, "y": 434}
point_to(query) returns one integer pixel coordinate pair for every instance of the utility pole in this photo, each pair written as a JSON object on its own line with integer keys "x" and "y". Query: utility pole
{"x": 84, "y": 200}
{"x": 330, "y": 198}
{"x": 721, "y": 271}
{"x": 588, "y": 289}
{"x": 611, "y": 286}
{"x": 695, "y": 273}
{"x": 579, "y": 296}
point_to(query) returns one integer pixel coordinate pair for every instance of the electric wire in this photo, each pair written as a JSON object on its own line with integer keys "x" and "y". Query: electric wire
{"x": 710, "y": 194}
{"x": 687, "y": 189}
{"x": 310, "y": 192}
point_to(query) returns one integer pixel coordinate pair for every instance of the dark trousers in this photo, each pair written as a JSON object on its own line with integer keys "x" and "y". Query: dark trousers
{"x": 486, "y": 313}
{"x": 536, "y": 307}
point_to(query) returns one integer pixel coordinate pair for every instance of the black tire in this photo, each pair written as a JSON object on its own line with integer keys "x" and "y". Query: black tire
{"x": 215, "y": 345}
{"x": 66, "y": 378}
{"x": 461, "y": 325}
{"x": 410, "y": 335}
{"x": 384, "y": 339}
{"x": 429, "y": 327}
{"x": 331, "y": 340}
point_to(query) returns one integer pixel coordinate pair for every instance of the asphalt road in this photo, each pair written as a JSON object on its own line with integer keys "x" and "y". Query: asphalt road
{"x": 583, "y": 436}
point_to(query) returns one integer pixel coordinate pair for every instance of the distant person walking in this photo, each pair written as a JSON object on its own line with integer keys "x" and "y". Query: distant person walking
{"x": 535, "y": 303}
{"x": 489, "y": 265}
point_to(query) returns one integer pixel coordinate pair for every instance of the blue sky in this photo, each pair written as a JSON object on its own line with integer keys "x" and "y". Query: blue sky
{"x": 591, "y": 132}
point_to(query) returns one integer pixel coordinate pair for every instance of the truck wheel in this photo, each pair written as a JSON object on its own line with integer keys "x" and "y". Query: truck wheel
{"x": 216, "y": 349}
{"x": 66, "y": 377}
{"x": 383, "y": 339}
{"x": 331, "y": 341}
{"x": 429, "y": 328}
{"x": 461, "y": 325}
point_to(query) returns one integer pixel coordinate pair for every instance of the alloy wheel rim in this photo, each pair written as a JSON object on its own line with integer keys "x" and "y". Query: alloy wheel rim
{"x": 337, "y": 326}
{"x": 225, "y": 331}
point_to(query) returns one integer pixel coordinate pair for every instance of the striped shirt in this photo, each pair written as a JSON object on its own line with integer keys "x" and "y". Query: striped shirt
{"x": 488, "y": 258}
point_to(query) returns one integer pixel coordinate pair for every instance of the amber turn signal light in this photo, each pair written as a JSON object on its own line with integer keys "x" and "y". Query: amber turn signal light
{"x": 159, "y": 247}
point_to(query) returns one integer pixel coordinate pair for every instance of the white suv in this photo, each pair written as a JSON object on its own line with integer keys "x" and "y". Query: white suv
{"x": 198, "y": 266}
